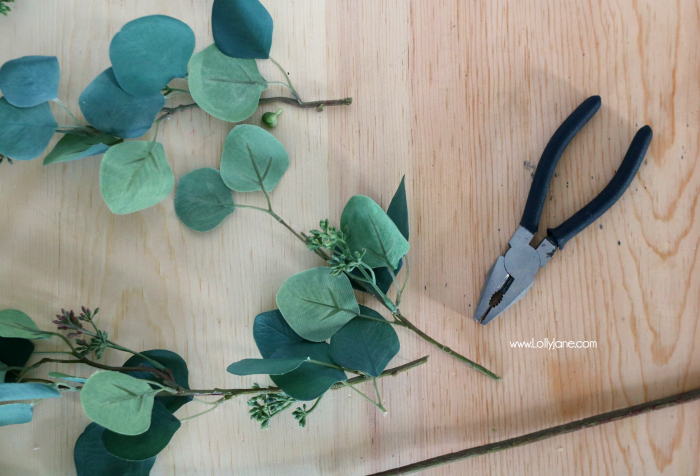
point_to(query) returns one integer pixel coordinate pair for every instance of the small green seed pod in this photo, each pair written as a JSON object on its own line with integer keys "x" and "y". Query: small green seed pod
{"x": 270, "y": 118}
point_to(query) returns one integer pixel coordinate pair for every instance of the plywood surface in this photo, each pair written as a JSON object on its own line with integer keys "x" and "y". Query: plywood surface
{"x": 461, "y": 96}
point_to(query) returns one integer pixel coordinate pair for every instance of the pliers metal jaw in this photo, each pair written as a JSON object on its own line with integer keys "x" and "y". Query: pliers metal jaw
{"x": 512, "y": 275}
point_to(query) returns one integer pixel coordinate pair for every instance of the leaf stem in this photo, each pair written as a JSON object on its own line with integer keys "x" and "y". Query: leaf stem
{"x": 215, "y": 405}
{"x": 590, "y": 422}
{"x": 378, "y": 405}
{"x": 60, "y": 103}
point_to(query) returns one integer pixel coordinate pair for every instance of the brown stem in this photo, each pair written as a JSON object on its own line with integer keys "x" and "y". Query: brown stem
{"x": 548, "y": 433}
{"x": 166, "y": 376}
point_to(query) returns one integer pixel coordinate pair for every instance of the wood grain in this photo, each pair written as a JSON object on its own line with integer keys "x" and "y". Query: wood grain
{"x": 462, "y": 98}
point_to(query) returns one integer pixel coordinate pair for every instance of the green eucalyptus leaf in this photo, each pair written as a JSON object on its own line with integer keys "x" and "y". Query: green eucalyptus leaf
{"x": 242, "y": 28}
{"x": 272, "y": 332}
{"x": 227, "y": 88}
{"x": 316, "y": 304}
{"x": 265, "y": 366}
{"x": 146, "y": 445}
{"x": 250, "y": 151}
{"x": 16, "y": 413}
{"x": 398, "y": 209}
{"x": 149, "y": 52}
{"x": 25, "y": 132}
{"x": 371, "y": 229}
{"x": 27, "y": 391}
{"x": 74, "y": 147}
{"x": 202, "y": 199}
{"x": 14, "y": 353}
{"x": 14, "y": 323}
{"x": 364, "y": 344}
{"x": 310, "y": 380}
{"x": 118, "y": 402}
{"x": 110, "y": 109}
{"x": 30, "y": 80}
{"x": 135, "y": 175}
{"x": 70, "y": 378}
{"x": 170, "y": 360}
{"x": 92, "y": 459}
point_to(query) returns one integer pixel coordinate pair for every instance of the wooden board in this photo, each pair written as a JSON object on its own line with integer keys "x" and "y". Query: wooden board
{"x": 462, "y": 98}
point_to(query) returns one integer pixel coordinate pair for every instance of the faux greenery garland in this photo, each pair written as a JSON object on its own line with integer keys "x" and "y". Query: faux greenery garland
{"x": 319, "y": 339}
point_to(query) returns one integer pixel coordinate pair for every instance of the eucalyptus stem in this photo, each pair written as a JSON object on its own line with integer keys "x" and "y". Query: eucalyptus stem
{"x": 590, "y": 422}
{"x": 376, "y": 404}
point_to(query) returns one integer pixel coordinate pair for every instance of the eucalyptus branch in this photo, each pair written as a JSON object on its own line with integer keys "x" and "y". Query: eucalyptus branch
{"x": 590, "y": 422}
{"x": 165, "y": 376}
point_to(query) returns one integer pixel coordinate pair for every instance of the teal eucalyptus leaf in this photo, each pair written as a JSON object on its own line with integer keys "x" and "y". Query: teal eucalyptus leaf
{"x": 242, "y": 28}
{"x": 227, "y": 88}
{"x": 92, "y": 459}
{"x": 30, "y": 80}
{"x": 265, "y": 366}
{"x": 364, "y": 344}
{"x": 310, "y": 380}
{"x": 134, "y": 176}
{"x": 27, "y": 391}
{"x": 249, "y": 151}
{"x": 271, "y": 332}
{"x": 16, "y": 413}
{"x": 146, "y": 445}
{"x": 371, "y": 229}
{"x": 149, "y": 52}
{"x": 169, "y": 360}
{"x": 70, "y": 378}
{"x": 74, "y": 147}
{"x": 25, "y": 132}
{"x": 110, "y": 109}
{"x": 202, "y": 199}
{"x": 316, "y": 304}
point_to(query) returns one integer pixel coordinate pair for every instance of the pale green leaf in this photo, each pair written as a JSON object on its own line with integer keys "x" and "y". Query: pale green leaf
{"x": 14, "y": 323}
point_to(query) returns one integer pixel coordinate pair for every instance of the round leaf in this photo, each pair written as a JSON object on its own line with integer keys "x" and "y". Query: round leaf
{"x": 14, "y": 353}
{"x": 250, "y": 154}
{"x": 310, "y": 380}
{"x": 202, "y": 199}
{"x": 74, "y": 147}
{"x": 27, "y": 391}
{"x": 14, "y": 323}
{"x": 110, "y": 109}
{"x": 371, "y": 229}
{"x": 227, "y": 88}
{"x": 91, "y": 457}
{"x": 265, "y": 366}
{"x": 135, "y": 175}
{"x": 16, "y": 413}
{"x": 272, "y": 332}
{"x": 118, "y": 402}
{"x": 30, "y": 80}
{"x": 316, "y": 304}
{"x": 146, "y": 445}
{"x": 25, "y": 132}
{"x": 149, "y": 52}
{"x": 169, "y": 360}
{"x": 242, "y": 28}
{"x": 365, "y": 345}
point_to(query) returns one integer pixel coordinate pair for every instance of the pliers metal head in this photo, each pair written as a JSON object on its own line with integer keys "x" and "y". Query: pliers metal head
{"x": 512, "y": 275}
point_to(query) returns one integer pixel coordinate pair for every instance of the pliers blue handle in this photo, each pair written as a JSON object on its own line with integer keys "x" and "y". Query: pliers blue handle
{"x": 512, "y": 275}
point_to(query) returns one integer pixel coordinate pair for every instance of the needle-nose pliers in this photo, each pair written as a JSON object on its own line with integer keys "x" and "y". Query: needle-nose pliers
{"x": 512, "y": 275}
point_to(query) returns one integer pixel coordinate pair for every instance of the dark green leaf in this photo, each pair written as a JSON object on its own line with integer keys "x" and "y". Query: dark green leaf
{"x": 242, "y": 28}
{"x": 202, "y": 199}
{"x": 74, "y": 147}
{"x": 25, "y": 132}
{"x": 169, "y": 360}
{"x": 309, "y": 381}
{"x": 146, "y": 445}
{"x": 227, "y": 88}
{"x": 272, "y": 332}
{"x": 371, "y": 229}
{"x": 110, "y": 109}
{"x": 30, "y": 80}
{"x": 16, "y": 413}
{"x": 27, "y": 391}
{"x": 134, "y": 176}
{"x": 149, "y": 52}
{"x": 316, "y": 304}
{"x": 14, "y": 323}
{"x": 14, "y": 352}
{"x": 364, "y": 344}
{"x": 92, "y": 459}
{"x": 246, "y": 148}
{"x": 398, "y": 209}
{"x": 265, "y": 366}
